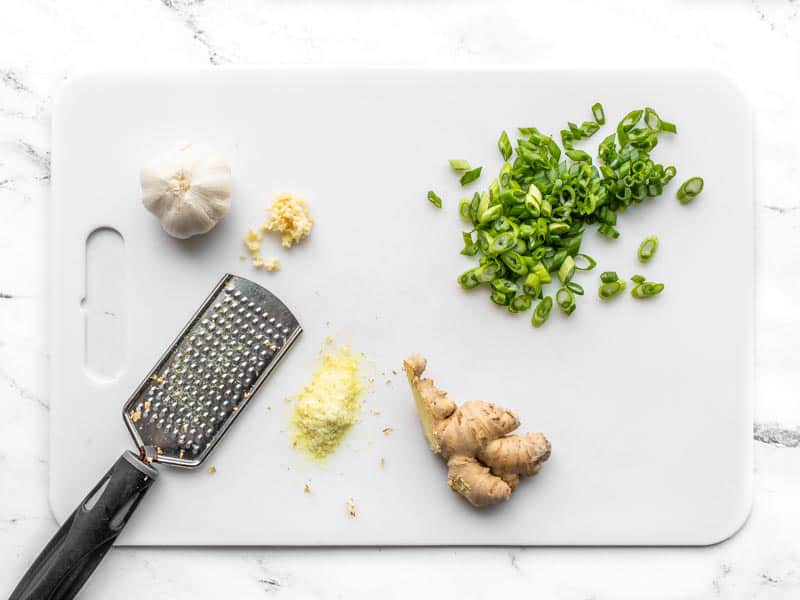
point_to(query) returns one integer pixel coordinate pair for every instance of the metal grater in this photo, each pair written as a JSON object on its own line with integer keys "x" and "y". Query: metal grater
{"x": 209, "y": 373}
{"x": 176, "y": 415}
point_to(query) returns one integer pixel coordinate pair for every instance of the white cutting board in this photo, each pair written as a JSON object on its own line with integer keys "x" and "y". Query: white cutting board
{"x": 648, "y": 404}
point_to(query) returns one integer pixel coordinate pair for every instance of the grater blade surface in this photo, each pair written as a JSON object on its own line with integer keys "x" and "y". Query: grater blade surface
{"x": 209, "y": 373}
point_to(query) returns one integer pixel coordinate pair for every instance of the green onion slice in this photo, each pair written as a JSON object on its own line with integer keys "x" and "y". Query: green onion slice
{"x": 584, "y": 262}
{"x": 607, "y": 149}
{"x": 558, "y": 228}
{"x": 434, "y": 199}
{"x": 504, "y": 145}
{"x": 651, "y": 119}
{"x": 608, "y": 230}
{"x": 514, "y": 262}
{"x": 468, "y": 279}
{"x": 505, "y": 175}
{"x": 565, "y": 300}
{"x": 609, "y": 276}
{"x": 470, "y": 176}
{"x": 598, "y": 113}
{"x": 648, "y": 289}
{"x": 656, "y": 123}
{"x": 459, "y": 165}
{"x": 485, "y": 240}
{"x": 520, "y": 303}
{"x": 502, "y": 224}
{"x": 630, "y": 120}
{"x": 473, "y": 207}
{"x": 578, "y": 156}
{"x": 668, "y": 127}
{"x": 490, "y": 214}
{"x": 542, "y": 311}
{"x": 483, "y": 203}
{"x": 638, "y": 279}
{"x": 554, "y": 262}
{"x": 647, "y": 249}
{"x": 533, "y": 204}
{"x": 470, "y": 247}
{"x": 503, "y": 242}
{"x": 526, "y": 231}
{"x": 610, "y": 289}
{"x": 567, "y": 269}
{"x": 500, "y": 298}
{"x": 488, "y": 272}
{"x": 574, "y": 287}
{"x": 542, "y": 272}
{"x": 532, "y": 285}
{"x": 464, "y": 209}
{"x": 494, "y": 190}
{"x": 589, "y": 128}
{"x": 690, "y": 189}
{"x": 505, "y": 285}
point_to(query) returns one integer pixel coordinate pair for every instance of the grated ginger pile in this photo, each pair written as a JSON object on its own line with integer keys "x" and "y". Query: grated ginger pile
{"x": 329, "y": 404}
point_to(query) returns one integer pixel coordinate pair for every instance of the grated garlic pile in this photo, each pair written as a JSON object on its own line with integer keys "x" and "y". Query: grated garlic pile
{"x": 289, "y": 215}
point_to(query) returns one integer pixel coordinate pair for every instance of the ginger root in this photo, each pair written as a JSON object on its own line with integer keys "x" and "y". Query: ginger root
{"x": 484, "y": 463}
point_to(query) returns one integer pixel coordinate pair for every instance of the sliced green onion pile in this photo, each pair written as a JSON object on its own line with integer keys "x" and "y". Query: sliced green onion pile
{"x": 527, "y": 226}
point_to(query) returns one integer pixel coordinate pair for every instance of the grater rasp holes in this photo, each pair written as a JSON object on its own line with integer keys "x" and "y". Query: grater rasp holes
{"x": 209, "y": 375}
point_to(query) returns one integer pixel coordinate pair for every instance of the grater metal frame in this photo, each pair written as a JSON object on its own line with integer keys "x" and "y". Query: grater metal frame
{"x": 195, "y": 392}
{"x": 150, "y": 454}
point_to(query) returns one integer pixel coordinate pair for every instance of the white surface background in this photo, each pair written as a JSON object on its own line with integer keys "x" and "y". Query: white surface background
{"x": 755, "y": 43}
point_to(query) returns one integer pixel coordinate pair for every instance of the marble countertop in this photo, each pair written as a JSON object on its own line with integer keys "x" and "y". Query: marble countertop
{"x": 755, "y": 42}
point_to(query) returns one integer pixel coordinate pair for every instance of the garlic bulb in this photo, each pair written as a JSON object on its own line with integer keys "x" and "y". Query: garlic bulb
{"x": 188, "y": 189}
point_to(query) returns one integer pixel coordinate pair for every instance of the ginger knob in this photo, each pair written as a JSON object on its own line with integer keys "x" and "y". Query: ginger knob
{"x": 485, "y": 463}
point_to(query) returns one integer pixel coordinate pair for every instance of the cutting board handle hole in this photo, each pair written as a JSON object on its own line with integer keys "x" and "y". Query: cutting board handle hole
{"x": 103, "y": 304}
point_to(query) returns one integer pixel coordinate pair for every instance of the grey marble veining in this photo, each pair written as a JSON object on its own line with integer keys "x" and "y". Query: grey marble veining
{"x": 755, "y": 42}
{"x": 770, "y": 433}
{"x": 185, "y": 10}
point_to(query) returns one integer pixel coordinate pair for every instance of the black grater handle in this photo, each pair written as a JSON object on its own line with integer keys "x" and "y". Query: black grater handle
{"x": 80, "y": 544}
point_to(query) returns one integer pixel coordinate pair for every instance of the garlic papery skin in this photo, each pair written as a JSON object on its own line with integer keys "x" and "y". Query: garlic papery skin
{"x": 188, "y": 189}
